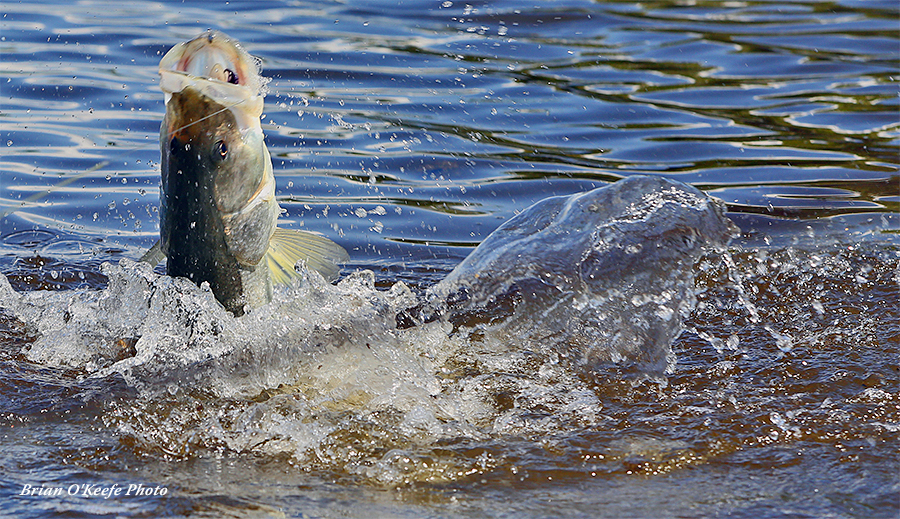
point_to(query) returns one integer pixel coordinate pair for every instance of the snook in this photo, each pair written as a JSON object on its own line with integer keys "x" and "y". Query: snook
{"x": 217, "y": 202}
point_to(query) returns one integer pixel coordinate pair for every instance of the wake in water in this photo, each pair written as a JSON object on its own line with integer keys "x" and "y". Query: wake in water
{"x": 325, "y": 374}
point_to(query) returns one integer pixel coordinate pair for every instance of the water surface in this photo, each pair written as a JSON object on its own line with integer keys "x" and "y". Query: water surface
{"x": 407, "y": 133}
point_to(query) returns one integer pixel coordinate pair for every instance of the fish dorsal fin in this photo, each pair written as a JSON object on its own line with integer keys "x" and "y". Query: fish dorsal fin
{"x": 288, "y": 246}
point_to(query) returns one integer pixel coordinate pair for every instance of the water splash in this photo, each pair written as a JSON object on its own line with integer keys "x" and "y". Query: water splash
{"x": 326, "y": 375}
{"x": 599, "y": 277}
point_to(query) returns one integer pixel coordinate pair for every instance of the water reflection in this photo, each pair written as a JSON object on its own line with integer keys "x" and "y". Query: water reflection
{"x": 490, "y": 93}
{"x": 408, "y": 133}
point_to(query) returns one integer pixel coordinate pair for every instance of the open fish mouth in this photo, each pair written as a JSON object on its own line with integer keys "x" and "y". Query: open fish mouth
{"x": 219, "y": 68}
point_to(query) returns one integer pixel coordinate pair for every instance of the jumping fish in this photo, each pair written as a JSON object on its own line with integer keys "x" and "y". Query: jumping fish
{"x": 218, "y": 210}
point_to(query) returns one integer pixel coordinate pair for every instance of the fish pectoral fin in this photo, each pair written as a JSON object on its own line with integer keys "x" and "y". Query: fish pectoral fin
{"x": 154, "y": 255}
{"x": 288, "y": 246}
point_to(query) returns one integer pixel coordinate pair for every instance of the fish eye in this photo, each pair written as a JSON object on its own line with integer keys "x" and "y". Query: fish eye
{"x": 231, "y": 77}
{"x": 222, "y": 149}
{"x": 174, "y": 145}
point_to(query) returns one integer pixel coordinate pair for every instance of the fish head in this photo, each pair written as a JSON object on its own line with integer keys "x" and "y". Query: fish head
{"x": 205, "y": 146}
{"x": 218, "y": 189}
{"x": 216, "y": 56}
{"x": 220, "y": 67}
{"x": 214, "y": 100}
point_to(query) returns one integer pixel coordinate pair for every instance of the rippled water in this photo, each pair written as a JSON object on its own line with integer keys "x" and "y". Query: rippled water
{"x": 408, "y": 133}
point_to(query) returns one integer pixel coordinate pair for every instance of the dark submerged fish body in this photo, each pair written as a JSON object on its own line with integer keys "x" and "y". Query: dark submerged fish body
{"x": 218, "y": 211}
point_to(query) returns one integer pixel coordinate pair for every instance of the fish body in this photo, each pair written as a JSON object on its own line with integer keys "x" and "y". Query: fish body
{"x": 218, "y": 211}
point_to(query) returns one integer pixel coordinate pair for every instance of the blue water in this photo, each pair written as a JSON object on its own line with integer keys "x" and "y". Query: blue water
{"x": 407, "y": 133}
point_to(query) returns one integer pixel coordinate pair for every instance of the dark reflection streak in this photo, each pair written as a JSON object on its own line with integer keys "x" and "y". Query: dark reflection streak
{"x": 654, "y": 11}
{"x": 529, "y": 152}
{"x": 870, "y": 145}
{"x": 807, "y": 53}
{"x": 432, "y": 243}
{"x": 599, "y": 169}
{"x": 801, "y": 138}
{"x": 799, "y": 213}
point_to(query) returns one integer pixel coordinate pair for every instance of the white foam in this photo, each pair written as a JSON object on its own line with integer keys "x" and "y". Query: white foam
{"x": 324, "y": 374}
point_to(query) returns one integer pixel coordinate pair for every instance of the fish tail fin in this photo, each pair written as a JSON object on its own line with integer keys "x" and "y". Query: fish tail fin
{"x": 288, "y": 246}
